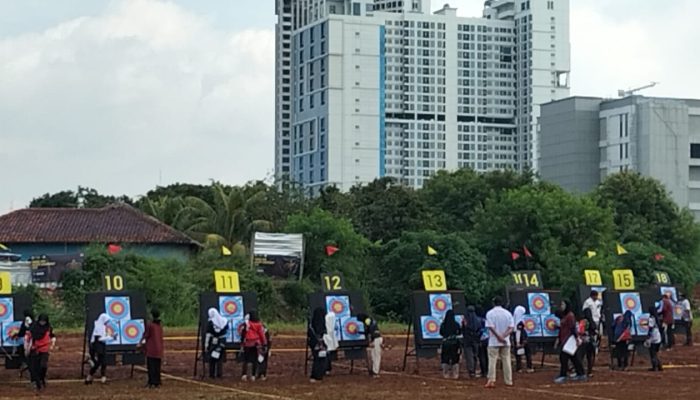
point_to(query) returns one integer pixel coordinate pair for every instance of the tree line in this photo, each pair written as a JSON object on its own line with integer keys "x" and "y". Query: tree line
{"x": 474, "y": 221}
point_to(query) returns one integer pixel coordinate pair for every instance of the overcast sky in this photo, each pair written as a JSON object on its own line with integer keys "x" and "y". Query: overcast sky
{"x": 124, "y": 95}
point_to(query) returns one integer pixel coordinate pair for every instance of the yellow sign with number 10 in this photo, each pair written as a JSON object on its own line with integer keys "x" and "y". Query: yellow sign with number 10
{"x": 5, "y": 283}
{"x": 434, "y": 280}
{"x": 593, "y": 277}
{"x": 227, "y": 282}
{"x": 623, "y": 279}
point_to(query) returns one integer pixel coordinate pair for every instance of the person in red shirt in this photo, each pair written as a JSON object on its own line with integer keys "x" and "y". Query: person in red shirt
{"x": 567, "y": 330}
{"x": 253, "y": 338}
{"x": 153, "y": 343}
{"x": 666, "y": 311}
{"x": 38, "y": 340}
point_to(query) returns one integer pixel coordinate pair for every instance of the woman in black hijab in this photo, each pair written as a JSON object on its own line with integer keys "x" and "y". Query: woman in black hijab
{"x": 451, "y": 346}
{"x": 317, "y": 328}
{"x": 42, "y": 340}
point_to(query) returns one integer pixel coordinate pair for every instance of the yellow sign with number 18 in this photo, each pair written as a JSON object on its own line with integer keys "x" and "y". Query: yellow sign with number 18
{"x": 434, "y": 280}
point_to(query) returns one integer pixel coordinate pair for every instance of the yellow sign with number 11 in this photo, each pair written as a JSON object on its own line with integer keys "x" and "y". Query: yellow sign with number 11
{"x": 434, "y": 280}
{"x": 227, "y": 282}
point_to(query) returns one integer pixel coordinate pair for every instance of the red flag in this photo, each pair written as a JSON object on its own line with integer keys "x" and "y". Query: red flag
{"x": 658, "y": 256}
{"x": 527, "y": 252}
{"x": 330, "y": 250}
{"x": 113, "y": 249}
{"x": 514, "y": 255}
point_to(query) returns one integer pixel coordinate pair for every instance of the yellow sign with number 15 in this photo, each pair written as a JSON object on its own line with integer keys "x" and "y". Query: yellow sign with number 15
{"x": 5, "y": 283}
{"x": 227, "y": 282}
{"x": 623, "y": 279}
{"x": 434, "y": 280}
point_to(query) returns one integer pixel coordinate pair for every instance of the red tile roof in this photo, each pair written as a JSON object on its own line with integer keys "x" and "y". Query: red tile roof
{"x": 116, "y": 223}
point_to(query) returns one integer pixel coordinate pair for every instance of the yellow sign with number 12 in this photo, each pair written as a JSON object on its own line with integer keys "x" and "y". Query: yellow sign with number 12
{"x": 623, "y": 279}
{"x": 434, "y": 280}
{"x": 227, "y": 282}
{"x": 5, "y": 283}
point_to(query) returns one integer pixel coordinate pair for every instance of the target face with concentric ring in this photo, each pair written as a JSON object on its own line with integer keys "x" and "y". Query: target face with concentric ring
{"x": 538, "y": 303}
{"x": 9, "y": 329}
{"x": 631, "y": 302}
{"x": 550, "y": 326}
{"x": 430, "y": 327}
{"x": 532, "y": 325}
{"x": 231, "y": 307}
{"x": 6, "y": 309}
{"x": 338, "y": 305}
{"x": 118, "y": 308}
{"x": 352, "y": 329}
{"x": 113, "y": 333}
{"x": 132, "y": 331}
{"x": 440, "y": 304}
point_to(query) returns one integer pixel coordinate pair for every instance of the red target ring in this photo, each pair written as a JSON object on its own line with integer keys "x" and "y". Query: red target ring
{"x": 529, "y": 325}
{"x": 3, "y": 310}
{"x": 337, "y": 306}
{"x": 551, "y": 324}
{"x": 132, "y": 331}
{"x": 431, "y": 326}
{"x": 230, "y": 307}
{"x": 630, "y": 303}
{"x": 351, "y": 328}
{"x": 13, "y": 330}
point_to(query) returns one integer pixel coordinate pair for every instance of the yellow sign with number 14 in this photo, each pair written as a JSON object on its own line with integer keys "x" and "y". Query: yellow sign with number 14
{"x": 227, "y": 282}
{"x": 434, "y": 280}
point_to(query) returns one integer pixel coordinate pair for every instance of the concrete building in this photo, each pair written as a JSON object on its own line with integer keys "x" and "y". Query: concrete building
{"x": 384, "y": 88}
{"x": 583, "y": 140}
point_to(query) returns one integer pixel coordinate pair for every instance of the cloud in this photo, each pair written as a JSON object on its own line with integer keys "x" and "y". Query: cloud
{"x": 144, "y": 88}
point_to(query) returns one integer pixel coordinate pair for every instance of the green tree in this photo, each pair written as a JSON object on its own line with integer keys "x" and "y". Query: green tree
{"x": 383, "y": 209}
{"x": 84, "y": 197}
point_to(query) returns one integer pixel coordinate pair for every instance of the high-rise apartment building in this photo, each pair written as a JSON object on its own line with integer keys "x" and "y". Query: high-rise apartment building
{"x": 384, "y": 88}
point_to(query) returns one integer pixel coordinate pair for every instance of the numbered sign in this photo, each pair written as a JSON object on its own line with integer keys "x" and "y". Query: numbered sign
{"x": 5, "y": 283}
{"x": 527, "y": 279}
{"x": 112, "y": 283}
{"x": 623, "y": 279}
{"x": 332, "y": 282}
{"x": 662, "y": 278}
{"x": 592, "y": 277}
{"x": 227, "y": 282}
{"x": 434, "y": 281}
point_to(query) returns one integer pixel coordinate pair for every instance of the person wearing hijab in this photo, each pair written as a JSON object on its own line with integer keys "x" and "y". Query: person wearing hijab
{"x": 215, "y": 342}
{"x": 588, "y": 334}
{"x": 621, "y": 338}
{"x": 98, "y": 348}
{"x": 153, "y": 343}
{"x": 654, "y": 339}
{"x": 483, "y": 343}
{"x": 522, "y": 348}
{"x": 567, "y": 330}
{"x": 451, "y": 346}
{"x": 331, "y": 341}
{"x": 254, "y": 340}
{"x": 315, "y": 333}
{"x": 472, "y": 327}
{"x": 39, "y": 339}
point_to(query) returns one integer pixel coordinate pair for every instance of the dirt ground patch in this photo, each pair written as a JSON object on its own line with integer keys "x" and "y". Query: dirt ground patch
{"x": 287, "y": 381}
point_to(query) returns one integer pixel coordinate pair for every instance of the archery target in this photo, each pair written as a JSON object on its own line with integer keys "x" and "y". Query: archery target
{"x": 532, "y": 325}
{"x": 631, "y": 302}
{"x": 235, "y": 330}
{"x": 118, "y": 308}
{"x": 669, "y": 290}
{"x": 550, "y": 325}
{"x": 352, "y": 329}
{"x": 440, "y": 304}
{"x": 231, "y": 306}
{"x": 677, "y": 311}
{"x": 132, "y": 331}
{"x": 7, "y": 309}
{"x": 538, "y": 303}
{"x": 112, "y": 328}
{"x": 338, "y": 305}
{"x": 430, "y": 327}
{"x": 642, "y": 324}
{"x": 10, "y": 329}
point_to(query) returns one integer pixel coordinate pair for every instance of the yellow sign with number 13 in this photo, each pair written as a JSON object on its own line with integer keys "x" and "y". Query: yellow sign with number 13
{"x": 434, "y": 280}
{"x": 227, "y": 282}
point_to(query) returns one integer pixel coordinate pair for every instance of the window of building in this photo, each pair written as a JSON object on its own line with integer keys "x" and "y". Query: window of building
{"x": 311, "y": 35}
{"x": 331, "y": 9}
{"x": 323, "y": 29}
{"x": 301, "y": 105}
{"x": 695, "y": 150}
{"x": 355, "y": 8}
{"x": 550, "y": 5}
{"x": 311, "y": 101}
{"x": 301, "y": 39}
{"x": 323, "y": 97}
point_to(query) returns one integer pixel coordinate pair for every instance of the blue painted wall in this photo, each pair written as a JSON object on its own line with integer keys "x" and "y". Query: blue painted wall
{"x": 164, "y": 251}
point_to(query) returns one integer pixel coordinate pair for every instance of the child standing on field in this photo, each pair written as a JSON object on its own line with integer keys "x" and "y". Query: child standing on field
{"x": 254, "y": 340}
{"x": 153, "y": 341}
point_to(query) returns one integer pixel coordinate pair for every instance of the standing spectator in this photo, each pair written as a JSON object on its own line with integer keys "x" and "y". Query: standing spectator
{"x": 375, "y": 339}
{"x": 483, "y": 344}
{"x": 594, "y": 304}
{"x": 153, "y": 342}
{"x": 98, "y": 349}
{"x": 500, "y": 324}
{"x": 666, "y": 310}
{"x": 317, "y": 328}
{"x": 687, "y": 318}
{"x": 254, "y": 340}
{"x": 567, "y": 332}
{"x": 331, "y": 341}
{"x": 522, "y": 348}
{"x": 621, "y": 338}
{"x": 39, "y": 339}
{"x": 588, "y": 336}
{"x": 449, "y": 356}
{"x": 214, "y": 342}
{"x": 471, "y": 331}
{"x": 654, "y": 340}
{"x": 266, "y": 352}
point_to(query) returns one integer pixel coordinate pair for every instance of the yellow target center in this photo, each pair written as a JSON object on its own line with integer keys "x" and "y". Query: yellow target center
{"x": 118, "y": 308}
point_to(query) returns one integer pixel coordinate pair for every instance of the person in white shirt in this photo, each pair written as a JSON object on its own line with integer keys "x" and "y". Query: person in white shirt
{"x": 500, "y": 324}
{"x": 687, "y": 318}
{"x": 594, "y": 304}
{"x": 654, "y": 339}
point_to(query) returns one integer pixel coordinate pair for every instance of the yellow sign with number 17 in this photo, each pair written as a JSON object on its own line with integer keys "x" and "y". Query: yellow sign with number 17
{"x": 593, "y": 277}
{"x": 623, "y": 279}
{"x": 434, "y": 280}
{"x": 5, "y": 283}
{"x": 227, "y": 282}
